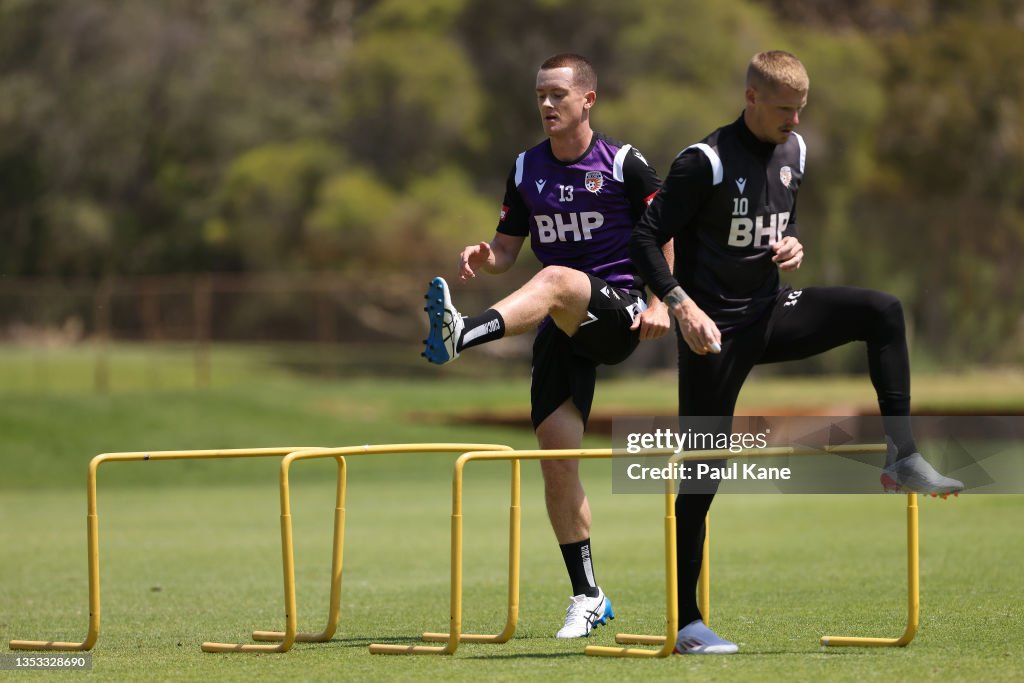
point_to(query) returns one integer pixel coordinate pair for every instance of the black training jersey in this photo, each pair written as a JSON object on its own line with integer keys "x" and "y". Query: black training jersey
{"x": 726, "y": 200}
{"x": 580, "y": 214}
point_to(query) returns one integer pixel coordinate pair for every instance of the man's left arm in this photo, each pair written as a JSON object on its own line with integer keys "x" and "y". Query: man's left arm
{"x": 789, "y": 253}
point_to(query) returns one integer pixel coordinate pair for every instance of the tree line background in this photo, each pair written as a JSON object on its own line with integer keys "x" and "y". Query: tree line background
{"x": 372, "y": 139}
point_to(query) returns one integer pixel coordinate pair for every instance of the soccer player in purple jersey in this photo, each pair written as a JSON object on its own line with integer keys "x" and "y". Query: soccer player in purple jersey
{"x": 729, "y": 206}
{"x": 577, "y": 196}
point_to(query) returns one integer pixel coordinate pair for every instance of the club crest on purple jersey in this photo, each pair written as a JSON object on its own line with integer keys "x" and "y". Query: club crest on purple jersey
{"x": 786, "y": 175}
{"x": 593, "y": 181}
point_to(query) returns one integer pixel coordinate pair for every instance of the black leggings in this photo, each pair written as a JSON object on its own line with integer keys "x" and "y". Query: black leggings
{"x": 802, "y": 323}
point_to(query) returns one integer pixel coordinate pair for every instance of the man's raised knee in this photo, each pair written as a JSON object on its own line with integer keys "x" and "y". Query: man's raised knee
{"x": 559, "y": 277}
{"x": 888, "y": 314}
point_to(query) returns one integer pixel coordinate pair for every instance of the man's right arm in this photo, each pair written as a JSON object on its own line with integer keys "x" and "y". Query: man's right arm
{"x": 670, "y": 213}
{"x": 493, "y": 257}
{"x": 500, "y": 253}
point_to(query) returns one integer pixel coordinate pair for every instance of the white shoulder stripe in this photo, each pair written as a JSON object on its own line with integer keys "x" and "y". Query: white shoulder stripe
{"x": 717, "y": 170}
{"x": 803, "y": 150}
{"x": 620, "y": 159}
{"x": 519, "y": 168}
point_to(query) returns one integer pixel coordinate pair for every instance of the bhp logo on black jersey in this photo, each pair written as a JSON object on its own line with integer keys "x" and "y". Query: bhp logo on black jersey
{"x": 747, "y": 232}
{"x": 568, "y": 227}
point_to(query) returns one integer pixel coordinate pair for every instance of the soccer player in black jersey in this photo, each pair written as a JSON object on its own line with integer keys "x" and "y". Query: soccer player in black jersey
{"x": 729, "y": 202}
{"x": 576, "y": 195}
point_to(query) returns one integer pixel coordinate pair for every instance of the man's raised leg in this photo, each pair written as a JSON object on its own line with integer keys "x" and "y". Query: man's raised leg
{"x": 822, "y": 318}
{"x": 556, "y": 291}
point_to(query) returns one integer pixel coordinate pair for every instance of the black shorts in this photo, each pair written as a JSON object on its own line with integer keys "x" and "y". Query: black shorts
{"x": 566, "y": 367}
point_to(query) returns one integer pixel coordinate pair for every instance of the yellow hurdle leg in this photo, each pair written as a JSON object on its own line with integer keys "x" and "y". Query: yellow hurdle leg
{"x": 455, "y": 600}
{"x": 92, "y": 541}
{"x": 337, "y": 561}
{"x": 703, "y": 596}
{"x": 288, "y": 575}
{"x": 514, "y": 544}
{"x": 667, "y": 641}
{"x": 704, "y": 581}
{"x": 913, "y": 592}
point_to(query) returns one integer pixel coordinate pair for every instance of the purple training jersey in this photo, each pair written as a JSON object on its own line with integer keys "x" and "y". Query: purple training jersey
{"x": 580, "y": 214}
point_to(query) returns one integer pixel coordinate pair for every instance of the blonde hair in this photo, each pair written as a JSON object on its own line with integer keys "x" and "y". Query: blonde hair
{"x": 774, "y": 68}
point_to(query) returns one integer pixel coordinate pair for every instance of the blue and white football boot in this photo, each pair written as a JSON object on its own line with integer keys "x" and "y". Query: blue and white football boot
{"x": 446, "y": 324}
{"x": 585, "y": 614}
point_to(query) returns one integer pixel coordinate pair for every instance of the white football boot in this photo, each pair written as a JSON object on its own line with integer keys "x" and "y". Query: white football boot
{"x": 913, "y": 474}
{"x": 585, "y": 614}
{"x": 697, "y": 639}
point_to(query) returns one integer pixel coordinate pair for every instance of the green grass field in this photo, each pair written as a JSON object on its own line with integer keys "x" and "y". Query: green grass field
{"x": 190, "y": 551}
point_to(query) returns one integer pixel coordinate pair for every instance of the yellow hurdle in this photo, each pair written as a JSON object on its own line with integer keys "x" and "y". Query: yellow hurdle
{"x": 666, "y": 641}
{"x": 454, "y": 635}
{"x": 913, "y": 564}
{"x": 93, "y": 533}
{"x": 704, "y": 590}
{"x": 288, "y": 635}
{"x": 290, "y": 453}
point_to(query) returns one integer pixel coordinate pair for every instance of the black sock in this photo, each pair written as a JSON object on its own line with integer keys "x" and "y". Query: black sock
{"x": 897, "y": 428}
{"x": 581, "y": 568}
{"x": 481, "y": 329}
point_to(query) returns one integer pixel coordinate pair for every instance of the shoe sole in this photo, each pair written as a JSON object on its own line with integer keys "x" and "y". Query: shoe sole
{"x": 710, "y": 650}
{"x": 890, "y": 485}
{"x": 438, "y": 299}
{"x": 607, "y": 616}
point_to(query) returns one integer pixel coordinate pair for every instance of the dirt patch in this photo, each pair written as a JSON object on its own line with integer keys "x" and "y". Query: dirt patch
{"x": 601, "y": 421}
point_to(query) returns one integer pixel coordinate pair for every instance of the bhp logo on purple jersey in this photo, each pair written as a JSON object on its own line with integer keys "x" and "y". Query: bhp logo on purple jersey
{"x": 568, "y": 227}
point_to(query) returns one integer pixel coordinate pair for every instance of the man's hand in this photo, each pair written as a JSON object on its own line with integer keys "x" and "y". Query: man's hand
{"x": 473, "y": 258}
{"x": 699, "y": 331}
{"x": 653, "y": 322}
{"x": 789, "y": 253}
